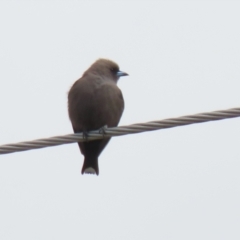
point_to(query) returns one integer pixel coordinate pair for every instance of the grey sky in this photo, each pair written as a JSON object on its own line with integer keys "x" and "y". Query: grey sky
{"x": 183, "y": 57}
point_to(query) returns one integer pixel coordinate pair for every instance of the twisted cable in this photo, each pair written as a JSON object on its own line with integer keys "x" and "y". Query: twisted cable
{"x": 121, "y": 130}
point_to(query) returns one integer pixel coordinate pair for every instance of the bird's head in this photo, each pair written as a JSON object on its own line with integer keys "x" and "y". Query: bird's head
{"x": 107, "y": 68}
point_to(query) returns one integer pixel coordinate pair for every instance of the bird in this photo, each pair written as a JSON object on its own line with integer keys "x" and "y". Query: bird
{"x": 95, "y": 102}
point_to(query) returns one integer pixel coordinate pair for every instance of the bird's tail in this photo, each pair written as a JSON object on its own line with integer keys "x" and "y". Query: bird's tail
{"x": 90, "y": 166}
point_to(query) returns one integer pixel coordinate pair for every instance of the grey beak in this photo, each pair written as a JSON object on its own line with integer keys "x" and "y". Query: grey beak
{"x": 121, "y": 74}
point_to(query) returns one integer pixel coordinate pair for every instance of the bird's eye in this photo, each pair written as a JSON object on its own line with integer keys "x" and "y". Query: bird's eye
{"x": 114, "y": 70}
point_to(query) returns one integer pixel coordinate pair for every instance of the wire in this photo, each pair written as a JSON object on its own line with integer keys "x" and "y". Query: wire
{"x": 122, "y": 130}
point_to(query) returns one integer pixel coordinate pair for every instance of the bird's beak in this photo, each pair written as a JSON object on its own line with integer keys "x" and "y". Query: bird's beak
{"x": 121, "y": 74}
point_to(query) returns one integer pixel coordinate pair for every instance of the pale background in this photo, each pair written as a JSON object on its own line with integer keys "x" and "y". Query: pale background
{"x": 183, "y": 57}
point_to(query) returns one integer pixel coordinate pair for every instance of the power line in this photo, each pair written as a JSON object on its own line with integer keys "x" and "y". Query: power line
{"x": 122, "y": 130}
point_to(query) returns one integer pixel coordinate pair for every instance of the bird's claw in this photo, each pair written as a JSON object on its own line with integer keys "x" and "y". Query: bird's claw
{"x": 102, "y": 130}
{"x": 85, "y": 135}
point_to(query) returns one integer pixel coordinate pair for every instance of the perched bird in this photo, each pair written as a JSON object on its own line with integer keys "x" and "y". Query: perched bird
{"x": 95, "y": 101}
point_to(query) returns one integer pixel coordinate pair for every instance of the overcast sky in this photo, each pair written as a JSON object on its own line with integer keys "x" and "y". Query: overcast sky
{"x": 183, "y": 57}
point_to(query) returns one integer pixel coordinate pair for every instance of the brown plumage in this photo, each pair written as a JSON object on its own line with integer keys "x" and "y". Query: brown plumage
{"x": 95, "y": 101}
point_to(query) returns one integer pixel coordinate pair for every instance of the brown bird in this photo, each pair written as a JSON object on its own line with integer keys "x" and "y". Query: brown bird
{"x": 95, "y": 101}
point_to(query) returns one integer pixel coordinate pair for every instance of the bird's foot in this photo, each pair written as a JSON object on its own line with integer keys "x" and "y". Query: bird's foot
{"x": 85, "y": 135}
{"x": 102, "y": 130}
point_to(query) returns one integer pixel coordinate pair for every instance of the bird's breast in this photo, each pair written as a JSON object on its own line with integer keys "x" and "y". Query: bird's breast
{"x": 97, "y": 105}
